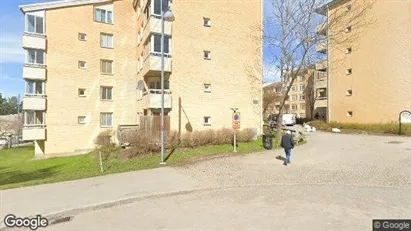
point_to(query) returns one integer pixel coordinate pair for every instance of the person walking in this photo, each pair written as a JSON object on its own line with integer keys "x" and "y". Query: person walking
{"x": 287, "y": 143}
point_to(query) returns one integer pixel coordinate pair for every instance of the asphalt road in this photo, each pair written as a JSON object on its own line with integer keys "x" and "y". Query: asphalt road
{"x": 335, "y": 182}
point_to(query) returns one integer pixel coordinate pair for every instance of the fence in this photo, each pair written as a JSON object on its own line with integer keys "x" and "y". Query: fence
{"x": 152, "y": 124}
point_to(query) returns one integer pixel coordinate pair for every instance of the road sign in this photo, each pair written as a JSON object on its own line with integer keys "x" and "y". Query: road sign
{"x": 236, "y": 120}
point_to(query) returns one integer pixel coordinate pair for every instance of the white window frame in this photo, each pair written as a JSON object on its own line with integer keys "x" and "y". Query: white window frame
{"x": 35, "y": 58}
{"x": 105, "y": 119}
{"x": 348, "y": 93}
{"x": 35, "y": 22}
{"x": 104, "y": 72}
{"x": 35, "y": 82}
{"x": 208, "y": 122}
{"x": 83, "y": 119}
{"x": 106, "y": 12}
{"x": 106, "y": 88}
{"x": 207, "y": 88}
{"x": 302, "y": 87}
{"x": 153, "y": 44}
{"x": 350, "y": 113}
{"x": 43, "y": 122}
{"x": 82, "y": 95}
{"x": 348, "y": 71}
{"x": 302, "y": 106}
{"x": 207, "y": 55}
{"x": 348, "y": 29}
{"x": 80, "y": 64}
{"x": 294, "y": 88}
{"x": 292, "y": 107}
{"x": 105, "y": 38}
{"x": 294, "y": 97}
{"x": 81, "y": 35}
{"x": 302, "y": 97}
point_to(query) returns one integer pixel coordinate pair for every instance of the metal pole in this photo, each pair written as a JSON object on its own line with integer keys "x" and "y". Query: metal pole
{"x": 162, "y": 85}
{"x": 101, "y": 162}
{"x": 235, "y": 140}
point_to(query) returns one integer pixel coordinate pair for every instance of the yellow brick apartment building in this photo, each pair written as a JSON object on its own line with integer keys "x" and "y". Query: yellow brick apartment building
{"x": 369, "y": 59}
{"x": 93, "y": 65}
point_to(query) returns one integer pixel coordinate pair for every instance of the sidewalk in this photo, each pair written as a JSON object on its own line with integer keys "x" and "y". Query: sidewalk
{"x": 58, "y": 197}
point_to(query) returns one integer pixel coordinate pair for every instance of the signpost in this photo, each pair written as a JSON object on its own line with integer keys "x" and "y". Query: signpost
{"x": 236, "y": 126}
{"x": 405, "y": 117}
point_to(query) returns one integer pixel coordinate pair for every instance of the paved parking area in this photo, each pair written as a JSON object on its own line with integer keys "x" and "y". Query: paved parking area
{"x": 335, "y": 182}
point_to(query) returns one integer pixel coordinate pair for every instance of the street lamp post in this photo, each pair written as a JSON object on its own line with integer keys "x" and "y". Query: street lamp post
{"x": 169, "y": 17}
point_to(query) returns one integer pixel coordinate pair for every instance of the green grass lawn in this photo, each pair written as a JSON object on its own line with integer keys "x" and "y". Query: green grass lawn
{"x": 18, "y": 169}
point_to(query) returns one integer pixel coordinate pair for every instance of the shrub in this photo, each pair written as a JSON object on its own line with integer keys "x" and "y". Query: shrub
{"x": 172, "y": 140}
{"x": 103, "y": 138}
{"x": 223, "y": 136}
{"x": 246, "y": 135}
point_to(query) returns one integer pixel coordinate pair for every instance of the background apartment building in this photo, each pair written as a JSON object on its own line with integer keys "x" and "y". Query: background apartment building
{"x": 93, "y": 65}
{"x": 296, "y": 103}
{"x": 369, "y": 59}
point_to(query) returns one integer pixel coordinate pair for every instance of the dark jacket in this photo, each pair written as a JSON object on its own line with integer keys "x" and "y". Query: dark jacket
{"x": 287, "y": 142}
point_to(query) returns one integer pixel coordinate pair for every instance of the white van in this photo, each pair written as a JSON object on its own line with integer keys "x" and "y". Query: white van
{"x": 289, "y": 119}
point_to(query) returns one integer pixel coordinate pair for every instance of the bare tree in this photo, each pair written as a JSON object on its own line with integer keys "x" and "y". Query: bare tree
{"x": 310, "y": 96}
{"x": 293, "y": 36}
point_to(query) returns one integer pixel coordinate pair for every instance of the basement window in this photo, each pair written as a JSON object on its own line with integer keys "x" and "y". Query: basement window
{"x": 348, "y": 50}
{"x": 349, "y": 71}
{"x": 348, "y": 8}
{"x": 207, "y": 22}
{"x": 81, "y": 119}
{"x": 348, "y": 29}
{"x": 207, "y": 121}
{"x": 349, "y": 113}
{"x": 348, "y": 93}
{"x": 82, "y": 64}
{"x": 207, "y": 55}
{"x": 82, "y": 37}
{"x": 82, "y": 92}
{"x": 207, "y": 88}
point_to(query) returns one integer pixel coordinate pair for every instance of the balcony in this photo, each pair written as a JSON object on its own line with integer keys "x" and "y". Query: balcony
{"x": 34, "y": 132}
{"x": 322, "y": 47}
{"x": 153, "y": 25}
{"x": 321, "y": 29}
{"x": 321, "y": 66}
{"x": 152, "y": 63}
{"x": 152, "y": 99}
{"x": 34, "y": 41}
{"x": 34, "y": 102}
{"x": 35, "y": 73}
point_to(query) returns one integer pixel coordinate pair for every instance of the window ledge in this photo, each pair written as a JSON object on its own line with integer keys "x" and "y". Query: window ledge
{"x": 107, "y": 100}
{"x": 207, "y": 124}
{"x": 106, "y": 74}
{"x": 108, "y": 23}
{"x": 110, "y": 48}
{"x": 35, "y": 65}
{"x": 82, "y": 96}
{"x": 207, "y": 58}
{"x": 111, "y": 126}
{"x": 35, "y": 95}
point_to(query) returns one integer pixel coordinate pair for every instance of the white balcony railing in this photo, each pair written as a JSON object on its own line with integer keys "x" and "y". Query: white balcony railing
{"x": 153, "y": 25}
{"x": 34, "y": 41}
{"x": 34, "y": 102}
{"x": 34, "y": 132}
{"x": 152, "y": 99}
{"x": 321, "y": 29}
{"x": 34, "y": 72}
{"x": 322, "y": 47}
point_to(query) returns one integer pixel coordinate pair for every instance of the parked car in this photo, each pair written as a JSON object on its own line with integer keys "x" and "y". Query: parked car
{"x": 289, "y": 119}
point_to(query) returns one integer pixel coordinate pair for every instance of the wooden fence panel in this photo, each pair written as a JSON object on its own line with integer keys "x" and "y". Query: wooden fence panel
{"x": 152, "y": 124}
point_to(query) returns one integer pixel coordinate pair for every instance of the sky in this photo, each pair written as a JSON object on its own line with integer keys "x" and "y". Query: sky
{"x": 12, "y": 55}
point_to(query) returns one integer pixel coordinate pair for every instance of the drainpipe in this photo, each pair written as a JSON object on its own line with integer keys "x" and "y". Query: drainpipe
{"x": 328, "y": 66}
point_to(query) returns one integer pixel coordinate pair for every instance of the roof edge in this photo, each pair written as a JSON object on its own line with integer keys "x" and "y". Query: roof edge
{"x": 323, "y": 9}
{"x": 57, "y": 4}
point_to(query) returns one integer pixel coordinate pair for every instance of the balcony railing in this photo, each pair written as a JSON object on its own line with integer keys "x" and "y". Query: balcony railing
{"x": 34, "y": 132}
{"x": 321, "y": 66}
{"x": 153, "y": 25}
{"x": 34, "y": 102}
{"x": 34, "y": 72}
{"x": 152, "y": 63}
{"x": 322, "y": 47}
{"x": 152, "y": 99}
{"x": 34, "y": 41}
{"x": 321, "y": 29}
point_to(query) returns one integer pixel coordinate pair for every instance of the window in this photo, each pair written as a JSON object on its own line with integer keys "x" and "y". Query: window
{"x": 302, "y": 97}
{"x": 321, "y": 93}
{"x": 349, "y": 71}
{"x": 106, "y": 119}
{"x": 207, "y": 55}
{"x": 82, "y": 65}
{"x": 302, "y": 106}
{"x": 278, "y": 90}
{"x": 34, "y": 56}
{"x": 294, "y": 98}
{"x": 302, "y": 78}
{"x": 348, "y": 50}
{"x": 157, "y": 43}
{"x": 157, "y": 6}
{"x": 81, "y": 119}
{"x": 106, "y": 93}
{"x": 34, "y": 24}
{"x": 294, "y": 107}
{"x": 82, "y": 37}
{"x": 348, "y": 29}
{"x": 207, "y": 88}
{"x": 34, "y": 87}
{"x": 293, "y": 88}
{"x": 157, "y": 85}
{"x": 349, "y": 113}
{"x": 106, "y": 67}
{"x": 302, "y": 115}
{"x": 302, "y": 87}
{"x": 207, "y": 120}
{"x": 106, "y": 40}
{"x": 104, "y": 16}
{"x": 255, "y": 101}
{"x": 348, "y": 93}
{"x": 207, "y": 22}
{"x": 34, "y": 118}
{"x": 348, "y": 8}
{"x": 287, "y": 97}
{"x": 82, "y": 92}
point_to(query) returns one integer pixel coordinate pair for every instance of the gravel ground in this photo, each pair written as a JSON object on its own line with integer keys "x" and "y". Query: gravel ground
{"x": 335, "y": 182}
